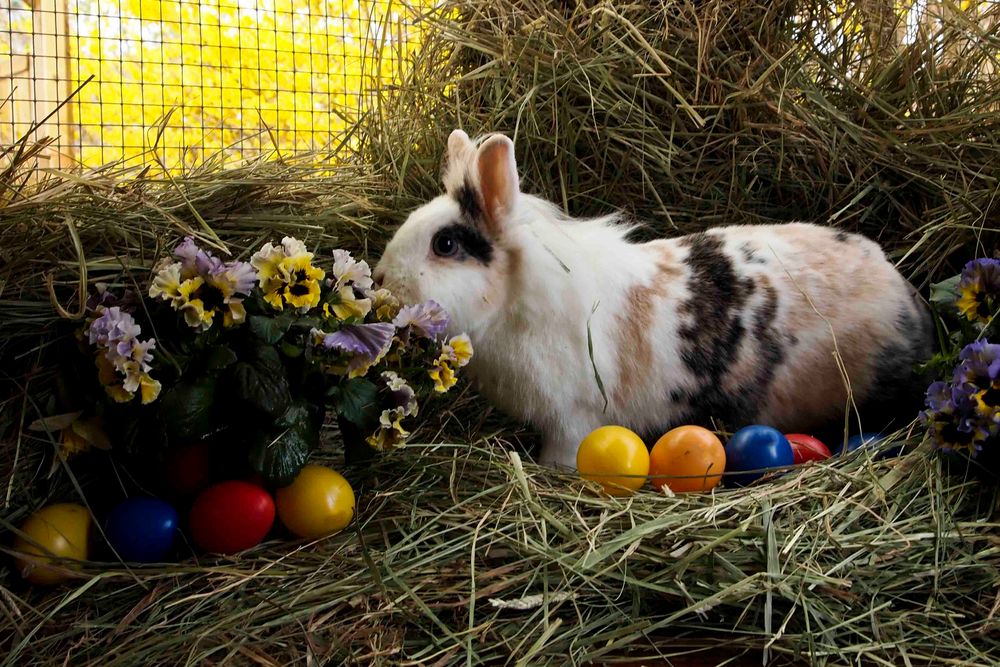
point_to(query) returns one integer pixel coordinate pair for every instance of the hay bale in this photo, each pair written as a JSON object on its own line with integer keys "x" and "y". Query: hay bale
{"x": 686, "y": 115}
{"x": 464, "y": 553}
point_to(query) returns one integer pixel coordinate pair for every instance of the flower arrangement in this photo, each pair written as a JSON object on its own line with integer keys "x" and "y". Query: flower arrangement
{"x": 963, "y": 411}
{"x": 254, "y": 353}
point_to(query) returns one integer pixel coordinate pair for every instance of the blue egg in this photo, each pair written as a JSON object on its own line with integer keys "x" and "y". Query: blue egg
{"x": 142, "y": 530}
{"x": 872, "y": 440}
{"x": 752, "y": 451}
{"x": 863, "y": 439}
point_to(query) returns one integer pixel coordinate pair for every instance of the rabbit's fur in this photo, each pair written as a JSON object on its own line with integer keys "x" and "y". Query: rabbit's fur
{"x": 729, "y": 327}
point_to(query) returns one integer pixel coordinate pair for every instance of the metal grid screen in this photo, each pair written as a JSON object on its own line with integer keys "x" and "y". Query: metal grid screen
{"x": 232, "y": 77}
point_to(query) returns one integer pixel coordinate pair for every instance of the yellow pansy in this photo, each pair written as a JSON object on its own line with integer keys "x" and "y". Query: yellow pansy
{"x": 149, "y": 389}
{"x": 349, "y": 305}
{"x": 235, "y": 314}
{"x": 443, "y": 376}
{"x": 461, "y": 349}
{"x": 193, "y": 307}
{"x": 266, "y": 261}
{"x": 167, "y": 282}
{"x": 391, "y": 432}
{"x": 301, "y": 281}
{"x": 385, "y": 304}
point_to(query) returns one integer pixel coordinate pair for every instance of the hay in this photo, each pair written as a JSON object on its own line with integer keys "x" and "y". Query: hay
{"x": 686, "y": 115}
{"x": 462, "y": 553}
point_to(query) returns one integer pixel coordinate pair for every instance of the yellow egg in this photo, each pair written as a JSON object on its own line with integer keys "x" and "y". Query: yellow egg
{"x": 319, "y": 502}
{"x": 60, "y": 531}
{"x": 616, "y": 458}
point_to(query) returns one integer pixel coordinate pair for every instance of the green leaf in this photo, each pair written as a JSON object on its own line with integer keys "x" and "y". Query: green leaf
{"x": 219, "y": 358}
{"x": 593, "y": 363}
{"x": 186, "y": 408}
{"x": 290, "y": 350}
{"x": 278, "y": 454}
{"x": 261, "y": 382}
{"x": 945, "y": 292}
{"x": 270, "y": 329}
{"x": 357, "y": 402}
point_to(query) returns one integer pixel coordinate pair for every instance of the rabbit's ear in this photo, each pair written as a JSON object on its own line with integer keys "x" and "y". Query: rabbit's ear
{"x": 458, "y": 143}
{"x": 461, "y": 152}
{"x": 498, "y": 182}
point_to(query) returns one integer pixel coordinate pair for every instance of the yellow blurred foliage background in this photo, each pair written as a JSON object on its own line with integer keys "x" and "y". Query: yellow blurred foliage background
{"x": 236, "y": 77}
{"x": 241, "y": 76}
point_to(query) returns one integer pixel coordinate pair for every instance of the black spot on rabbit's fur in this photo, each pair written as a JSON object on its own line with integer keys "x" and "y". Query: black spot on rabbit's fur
{"x": 770, "y": 352}
{"x": 715, "y": 332}
{"x": 841, "y": 237}
{"x": 896, "y": 395}
{"x": 472, "y": 242}
{"x": 750, "y": 255}
{"x": 468, "y": 202}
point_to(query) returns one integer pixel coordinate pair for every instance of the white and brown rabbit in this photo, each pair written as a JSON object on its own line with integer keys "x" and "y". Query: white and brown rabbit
{"x": 733, "y": 326}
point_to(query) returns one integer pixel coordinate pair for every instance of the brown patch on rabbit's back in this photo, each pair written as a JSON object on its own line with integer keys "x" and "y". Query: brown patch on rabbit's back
{"x": 635, "y": 324}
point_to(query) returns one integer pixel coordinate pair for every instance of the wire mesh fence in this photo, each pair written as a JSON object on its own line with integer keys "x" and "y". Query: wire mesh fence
{"x": 195, "y": 77}
{"x": 232, "y": 78}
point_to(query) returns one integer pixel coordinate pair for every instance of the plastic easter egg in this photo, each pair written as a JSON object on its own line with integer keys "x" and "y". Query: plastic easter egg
{"x": 142, "y": 530}
{"x": 614, "y": 457}
{"x": 60, "y": 531}
{"x": 187, "y": 469}
{"x": 231, "y": 516}
{"x": 872, "y": 440}
{"x": 318, "y": 502}
{"x": 687, "y": 459}
{"x": 806, "y": 448}
{"x": 862, "y": 440}
{"x": 754, "y": 450}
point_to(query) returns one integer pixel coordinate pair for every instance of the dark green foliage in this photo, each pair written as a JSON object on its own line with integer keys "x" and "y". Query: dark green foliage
{"x": 187, "y": 410}
{"x": 279, "y": 452}
{"x": 259, "y": 383}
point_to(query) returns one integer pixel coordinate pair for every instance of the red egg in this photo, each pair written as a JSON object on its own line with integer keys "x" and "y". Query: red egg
{"x": 807, "y": 448}
{"x": 231, "y": 517}
{"x": 187, "y": 469}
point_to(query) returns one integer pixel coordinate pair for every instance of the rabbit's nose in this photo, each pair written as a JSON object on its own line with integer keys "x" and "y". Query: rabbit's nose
{"x": 378, "y": 275}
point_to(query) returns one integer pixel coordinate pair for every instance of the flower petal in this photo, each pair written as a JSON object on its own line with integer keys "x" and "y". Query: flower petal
{"x": 427, "y": 319}
{"x": 367, "y": 341}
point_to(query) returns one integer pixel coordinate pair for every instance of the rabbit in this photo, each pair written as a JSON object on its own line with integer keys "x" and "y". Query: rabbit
{"x": 787, "y": 325}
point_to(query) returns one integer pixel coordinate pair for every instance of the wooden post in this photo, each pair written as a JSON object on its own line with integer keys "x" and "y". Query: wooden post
{"x": 50, "y": 76}
{"x": 15, "y": 91}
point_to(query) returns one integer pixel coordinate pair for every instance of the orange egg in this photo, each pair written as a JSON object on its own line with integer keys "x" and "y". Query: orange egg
{"x": 686, "y": 459}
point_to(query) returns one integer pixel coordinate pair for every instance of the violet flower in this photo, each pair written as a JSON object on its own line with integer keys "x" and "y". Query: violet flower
{"x": 428, "y": 319}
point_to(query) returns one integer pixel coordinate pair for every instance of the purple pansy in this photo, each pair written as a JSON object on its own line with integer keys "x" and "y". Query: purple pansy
{"x": 112, "y": 327}
{"x": 401, "y": 394}
{"x": 368, "y": 341}
{"x": 980, "y": 364}
{"x": 125, "y": 357}
{"x": 241, "y": 275}
{"x": 102, "y": 296}
{"x": 939, "y": 397}
{"x": 427, "y": 319}
{"x": 979, "y": 290}
{"x": 965, "y": 413}
{"x": 194, "y": 260}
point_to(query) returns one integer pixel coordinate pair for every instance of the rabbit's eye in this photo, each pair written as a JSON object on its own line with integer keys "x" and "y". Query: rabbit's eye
{"x": 444, "y": 244}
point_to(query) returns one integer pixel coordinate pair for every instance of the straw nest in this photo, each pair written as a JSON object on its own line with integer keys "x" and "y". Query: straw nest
{"x": 684, "y": 114}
